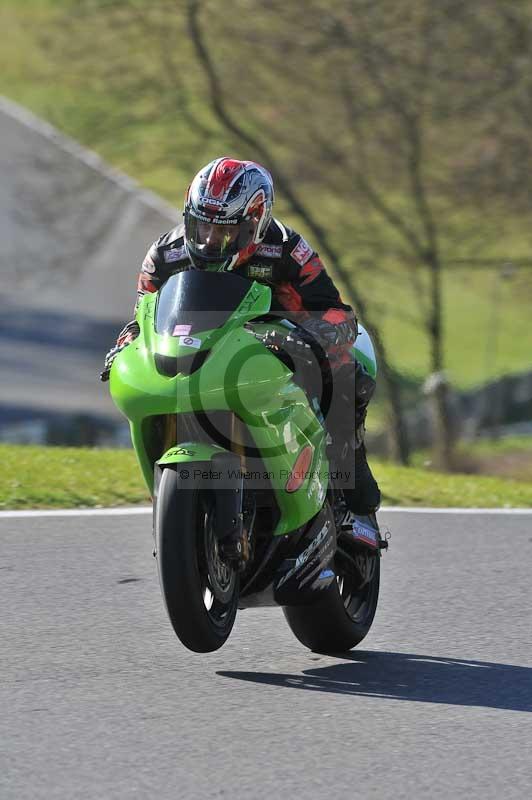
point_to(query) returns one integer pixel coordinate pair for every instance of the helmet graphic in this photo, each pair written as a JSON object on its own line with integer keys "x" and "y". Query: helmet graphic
{"x": 228, "y": 208}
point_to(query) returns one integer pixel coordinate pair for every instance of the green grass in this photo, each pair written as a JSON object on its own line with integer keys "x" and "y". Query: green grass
{"x": 420, "y": 487}
{"x": 509, "y": 457}
{"x": 61, "y": 477}
{"x": 485, "y": 447}
{"x": 508, "y": 445}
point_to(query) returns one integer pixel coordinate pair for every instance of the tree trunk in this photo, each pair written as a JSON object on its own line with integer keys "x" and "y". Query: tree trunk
{"x": 398, "y": 433}
{"x": 437, "y": 386}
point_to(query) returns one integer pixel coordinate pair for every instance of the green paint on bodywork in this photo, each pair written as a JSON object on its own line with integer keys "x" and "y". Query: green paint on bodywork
{"x": 368, "y": 364}
{"x": 239, "y": 375}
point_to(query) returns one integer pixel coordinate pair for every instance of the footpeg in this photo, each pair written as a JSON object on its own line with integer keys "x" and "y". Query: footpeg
{"x": 383, "y": 543}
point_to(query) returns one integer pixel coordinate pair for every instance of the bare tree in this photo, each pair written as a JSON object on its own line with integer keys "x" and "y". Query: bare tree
{"x": 368, "y": 102}
{"x": 258, "y": 146}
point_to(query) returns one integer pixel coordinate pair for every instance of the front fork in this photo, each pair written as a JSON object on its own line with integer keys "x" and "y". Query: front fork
{"x": 228, "y": 495}
{"x": 228, "y": 517}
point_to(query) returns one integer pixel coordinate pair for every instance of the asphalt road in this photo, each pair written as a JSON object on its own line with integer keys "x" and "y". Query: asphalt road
{"x": 99, "y": 700}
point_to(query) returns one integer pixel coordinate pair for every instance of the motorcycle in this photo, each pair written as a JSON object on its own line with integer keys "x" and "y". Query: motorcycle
{"x": 230, "y": 437}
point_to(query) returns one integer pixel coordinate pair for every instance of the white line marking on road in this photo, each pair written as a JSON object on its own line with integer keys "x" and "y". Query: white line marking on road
{"x": 134, "y": 511}
{"x": 77, "y": 512}
{"x": 454, "y": 510}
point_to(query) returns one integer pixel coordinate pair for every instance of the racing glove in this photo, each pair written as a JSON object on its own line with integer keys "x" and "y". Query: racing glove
{"x": 128, "y": 333}
{"x": 328, "y": 335}
{"x": 288, "y": 343}
{"x": 125, "y": 337}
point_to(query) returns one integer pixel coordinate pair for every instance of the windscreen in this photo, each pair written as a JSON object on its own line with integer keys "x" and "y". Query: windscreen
{"x": 195, "y": 301}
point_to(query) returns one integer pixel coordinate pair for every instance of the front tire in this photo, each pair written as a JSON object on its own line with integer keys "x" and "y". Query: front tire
{"x": 342, "y": 617}
{"x": 200, "y": 591}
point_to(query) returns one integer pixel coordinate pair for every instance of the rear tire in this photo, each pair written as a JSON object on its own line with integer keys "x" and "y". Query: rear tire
{"x": 341, "y": 617}
{"x": 200, "y": 591}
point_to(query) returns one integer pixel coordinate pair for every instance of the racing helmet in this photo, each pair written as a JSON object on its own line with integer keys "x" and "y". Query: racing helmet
{"x": 228, "y": 208}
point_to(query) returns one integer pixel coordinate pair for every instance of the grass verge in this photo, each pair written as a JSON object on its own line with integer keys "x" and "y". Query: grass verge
{"x": 64, "y": 477}
{"x": 509, "y": 457}
{"x": 68, "y": 477}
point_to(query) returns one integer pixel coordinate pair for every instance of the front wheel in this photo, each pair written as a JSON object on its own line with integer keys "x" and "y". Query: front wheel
{"x": 200, "y": 590}
{"x": 343, "y": 615}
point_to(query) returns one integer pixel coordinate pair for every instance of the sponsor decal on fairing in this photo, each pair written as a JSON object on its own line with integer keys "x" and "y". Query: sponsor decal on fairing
{"x": 181, "y": 330}
{"x": 304, "y": 556}
{"x": 180, "y": 451}
{"x": 189, "y": 341}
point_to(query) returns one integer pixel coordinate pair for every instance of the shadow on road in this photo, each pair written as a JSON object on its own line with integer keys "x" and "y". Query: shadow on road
{"x": 404, "y": 676}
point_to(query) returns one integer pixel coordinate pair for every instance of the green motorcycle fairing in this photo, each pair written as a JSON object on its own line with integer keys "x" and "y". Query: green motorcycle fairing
{"x": 237, "y": 374}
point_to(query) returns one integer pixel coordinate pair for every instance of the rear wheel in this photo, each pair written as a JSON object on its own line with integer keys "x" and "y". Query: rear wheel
{"x": 200, "y": 590}
{"x": 343, "y": 615}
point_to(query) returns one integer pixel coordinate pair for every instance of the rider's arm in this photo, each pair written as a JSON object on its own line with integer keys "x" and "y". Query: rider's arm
{"x": 149, "y": 279}
{"x": 147, "y": 282}
{"x": 325, "y": 315}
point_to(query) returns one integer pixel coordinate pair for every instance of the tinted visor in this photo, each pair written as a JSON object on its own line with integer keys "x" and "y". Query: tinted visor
{"x": 214, "y": 242}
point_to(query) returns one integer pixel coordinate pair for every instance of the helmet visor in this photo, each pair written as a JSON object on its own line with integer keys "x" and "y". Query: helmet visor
{"x": 214, "y": 241}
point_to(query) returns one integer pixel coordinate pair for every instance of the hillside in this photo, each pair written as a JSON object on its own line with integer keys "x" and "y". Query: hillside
{"x": 106, "y": 74}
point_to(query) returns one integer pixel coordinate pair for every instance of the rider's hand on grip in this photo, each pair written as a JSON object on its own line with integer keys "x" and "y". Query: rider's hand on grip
{"x": 287, "y": 343}
{"x": 127, "y": 335}
{"x": 109, "y": 358}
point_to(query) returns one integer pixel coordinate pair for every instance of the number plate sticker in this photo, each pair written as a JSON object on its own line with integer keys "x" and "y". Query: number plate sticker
{"x": 181, "y": 330}
{"x": 189, "y": 341}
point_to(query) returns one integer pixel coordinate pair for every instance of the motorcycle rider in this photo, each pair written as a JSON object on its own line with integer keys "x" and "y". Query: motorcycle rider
{"x": 228, "y": 226}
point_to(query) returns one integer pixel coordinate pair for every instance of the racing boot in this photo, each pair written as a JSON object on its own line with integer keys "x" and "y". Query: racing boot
{"x": 364, "y": 496}
{"x": 354, "y": 389}
{"x": 360, "y": 489}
